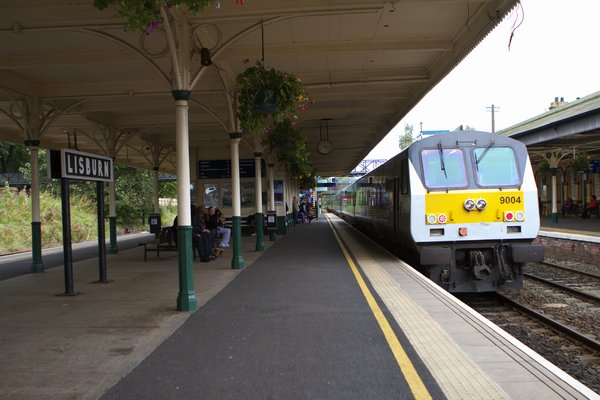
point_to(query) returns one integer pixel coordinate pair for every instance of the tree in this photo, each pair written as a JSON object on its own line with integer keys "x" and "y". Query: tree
{"x": 406, "y": 139}
{"x": 465, "y": 128}
{"x": 132, "y": 187}
{"x": 167, "y": 190}
{"x": 12, "y": 156}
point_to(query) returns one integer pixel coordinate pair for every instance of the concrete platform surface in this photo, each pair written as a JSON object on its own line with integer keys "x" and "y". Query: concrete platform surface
{"x": 59, "y": 347}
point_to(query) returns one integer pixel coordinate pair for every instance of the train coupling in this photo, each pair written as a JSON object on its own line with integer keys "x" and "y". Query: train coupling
{"x": 445, "y": 276}
{"x": 480, "y": 268}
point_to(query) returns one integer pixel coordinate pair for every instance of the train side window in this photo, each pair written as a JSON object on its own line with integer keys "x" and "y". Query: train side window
{"x": 496, "y": 166}
{"x": 444, "y": 168}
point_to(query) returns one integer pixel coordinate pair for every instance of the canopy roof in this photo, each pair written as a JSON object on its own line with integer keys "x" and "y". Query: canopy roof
{"x": 365, "y": 63}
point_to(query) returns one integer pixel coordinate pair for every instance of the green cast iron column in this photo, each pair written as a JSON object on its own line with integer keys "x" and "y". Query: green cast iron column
{"x": 36, "y": 225}
{"x": 260, "y": 232}
{"x": 260, "y": 235}
{"x": 281, "y": 228}
{"x": 237, "y": 262}
{"x": 112, "y": 216}
{"x": 272, "y": 208}
{"x": 112, "y": 229}
{"x": 186, "y": 299}
{"x": 554, "y": 196}
{"x": 36, "y": 247}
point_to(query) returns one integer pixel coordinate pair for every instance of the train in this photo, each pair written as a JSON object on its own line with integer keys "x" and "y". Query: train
{"x": 461, "y": 207}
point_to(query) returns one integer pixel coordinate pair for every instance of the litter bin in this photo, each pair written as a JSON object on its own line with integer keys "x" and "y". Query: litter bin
{"x": 154, "y": 222}
{"x": 271, "y": 221}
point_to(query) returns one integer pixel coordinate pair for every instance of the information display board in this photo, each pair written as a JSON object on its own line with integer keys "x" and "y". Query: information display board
{"x": 221, "y": 169}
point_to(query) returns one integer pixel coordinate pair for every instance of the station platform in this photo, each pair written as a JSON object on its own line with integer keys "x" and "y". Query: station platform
{"x": 322, "y": 313}
{"x": 588, "y": 228}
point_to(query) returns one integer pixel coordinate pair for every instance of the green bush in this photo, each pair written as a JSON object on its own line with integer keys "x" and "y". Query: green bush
{"x": 15, "y": 220}
{"x": 167, "y": 214}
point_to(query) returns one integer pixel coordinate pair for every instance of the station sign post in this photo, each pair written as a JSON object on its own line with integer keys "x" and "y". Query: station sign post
{"x": 69, "y": 164}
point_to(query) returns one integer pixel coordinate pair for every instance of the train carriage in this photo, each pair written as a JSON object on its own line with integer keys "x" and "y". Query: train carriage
{"x": 461, "y": 206}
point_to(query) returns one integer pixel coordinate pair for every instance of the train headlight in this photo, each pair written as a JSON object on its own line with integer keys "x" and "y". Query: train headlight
{"x": 520, "y": 216}
{"x": 509, "y": 216}
{"x": 431, "y": 219}
{"x": 481, "y": 204}
{"x": 441, "y": 219}
{"x": 469, "y": 204}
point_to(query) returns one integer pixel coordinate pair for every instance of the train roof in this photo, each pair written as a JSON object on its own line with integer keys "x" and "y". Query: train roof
{"x": 450, "y": 139}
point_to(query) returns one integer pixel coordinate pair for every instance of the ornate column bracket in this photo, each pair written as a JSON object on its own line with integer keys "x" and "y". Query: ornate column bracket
{"x": 31, "y": 143}
{"x": 553, "y": 157}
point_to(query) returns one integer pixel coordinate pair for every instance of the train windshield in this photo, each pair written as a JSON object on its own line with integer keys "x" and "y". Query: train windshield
{"x": 444, "y": 168}
{"x": 496, "y": 167}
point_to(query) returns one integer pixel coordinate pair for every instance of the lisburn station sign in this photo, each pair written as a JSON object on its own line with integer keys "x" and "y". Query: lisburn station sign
{"x": 84, "y": 166}
{"x": 91, "y": 167}
{"x": 69, "y": 164}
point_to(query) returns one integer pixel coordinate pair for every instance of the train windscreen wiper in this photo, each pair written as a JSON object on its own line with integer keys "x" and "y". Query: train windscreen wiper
{"x": 485, "y": 152}
{"x": 442, "y": 159}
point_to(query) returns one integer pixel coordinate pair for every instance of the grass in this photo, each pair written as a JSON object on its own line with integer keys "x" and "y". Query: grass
{"x": 15, "y": 220}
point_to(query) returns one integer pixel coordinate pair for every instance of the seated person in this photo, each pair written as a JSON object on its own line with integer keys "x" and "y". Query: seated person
{"x": 568, "y": 206}
{"x": 215, "y": 222}
{"x": 592, "y": 207}
{"x": 201, "y": 236}
{"x": 251, "y": 220}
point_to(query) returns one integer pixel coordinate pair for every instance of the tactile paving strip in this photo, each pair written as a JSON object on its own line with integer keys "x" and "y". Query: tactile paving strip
{"x": 458, "y": 376}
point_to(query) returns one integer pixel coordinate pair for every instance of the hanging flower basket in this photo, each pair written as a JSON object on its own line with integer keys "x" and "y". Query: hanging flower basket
{"x": 145, "y": 15}
{"x": 287, "y": 140}
{"x": 580, "y": 163}
{"x": 267, "y": 96}
{"x": 264, "y": 102}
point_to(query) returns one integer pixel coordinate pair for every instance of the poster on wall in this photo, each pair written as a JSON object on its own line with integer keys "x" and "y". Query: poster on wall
{"x": 278, "y": 190}
{"x": 211, "y": 198}
{"x": 226, "y": 195}
{"x": 247, "y": 198}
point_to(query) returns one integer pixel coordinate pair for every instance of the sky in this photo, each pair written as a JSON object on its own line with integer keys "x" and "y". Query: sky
{"x": 555, "y": 52}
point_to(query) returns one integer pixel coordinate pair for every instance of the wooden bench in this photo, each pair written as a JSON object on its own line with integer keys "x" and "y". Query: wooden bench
{"x": 164, "y": 242}
{"x": 247, "y": 229}
{"x": 572, "y": 212}
{"x": 593, "y": 212}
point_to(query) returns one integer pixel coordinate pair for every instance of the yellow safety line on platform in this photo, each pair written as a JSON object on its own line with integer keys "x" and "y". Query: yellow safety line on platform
{"x": 417, "y": 387}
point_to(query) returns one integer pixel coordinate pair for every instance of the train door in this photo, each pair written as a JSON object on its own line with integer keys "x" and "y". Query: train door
{"x": 396, "y": 204}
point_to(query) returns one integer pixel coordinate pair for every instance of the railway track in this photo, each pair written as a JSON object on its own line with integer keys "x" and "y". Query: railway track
{"x": 567, "y": 330}
{"x": 555, "y": 315}
{"x": 580, "y": 283}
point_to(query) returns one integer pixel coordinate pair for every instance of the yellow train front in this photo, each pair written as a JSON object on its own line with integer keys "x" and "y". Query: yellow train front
{"x": 460, "y": 206}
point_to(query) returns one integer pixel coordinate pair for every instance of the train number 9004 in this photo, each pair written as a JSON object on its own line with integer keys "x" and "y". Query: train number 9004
{"x": 510, "y": 200}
